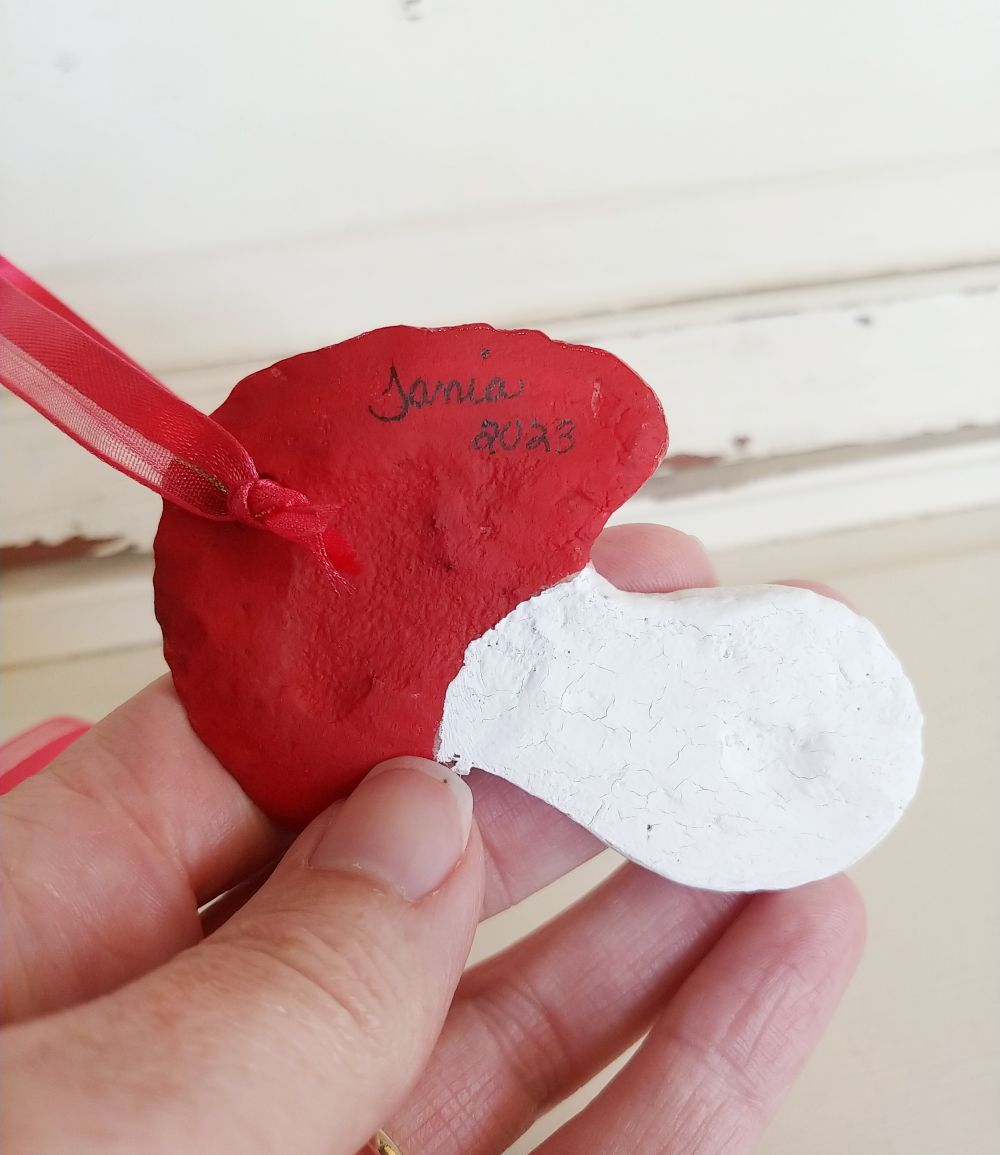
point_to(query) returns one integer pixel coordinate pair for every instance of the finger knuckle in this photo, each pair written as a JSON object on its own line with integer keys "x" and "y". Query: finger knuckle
{"x": 527, "y": 1036}
{"x": 348, "y": 979}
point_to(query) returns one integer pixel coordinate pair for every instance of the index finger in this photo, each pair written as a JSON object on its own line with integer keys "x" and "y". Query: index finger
{"x": 110, "y": 850}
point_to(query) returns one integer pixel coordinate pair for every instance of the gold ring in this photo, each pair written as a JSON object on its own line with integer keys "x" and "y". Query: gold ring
{"x": 381, "y": 1144}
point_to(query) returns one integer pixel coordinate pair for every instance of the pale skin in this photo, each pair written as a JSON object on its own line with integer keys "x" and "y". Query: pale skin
{"x": 316, "y": 1003}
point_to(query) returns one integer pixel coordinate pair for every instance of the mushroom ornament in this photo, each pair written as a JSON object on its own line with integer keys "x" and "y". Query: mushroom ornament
{"x": 448, "y": 485}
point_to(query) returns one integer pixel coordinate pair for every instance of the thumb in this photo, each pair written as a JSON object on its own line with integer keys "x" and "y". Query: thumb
{"x": 302, "y": 1023}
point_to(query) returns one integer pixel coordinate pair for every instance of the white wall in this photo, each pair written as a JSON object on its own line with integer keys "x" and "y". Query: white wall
{"x": 651, "y": 149}
{"x": 217, "y": 183}
{"x": 135, "y": 129}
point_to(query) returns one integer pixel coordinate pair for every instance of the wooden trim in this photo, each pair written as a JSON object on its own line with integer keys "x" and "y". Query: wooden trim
{"x": 89, "y": 607}
{"x": 594, "y": 256}
{"x": 742, "y": 380}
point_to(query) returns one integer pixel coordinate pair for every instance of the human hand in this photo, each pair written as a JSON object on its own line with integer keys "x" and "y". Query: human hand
{"x": 319, "y": 1001}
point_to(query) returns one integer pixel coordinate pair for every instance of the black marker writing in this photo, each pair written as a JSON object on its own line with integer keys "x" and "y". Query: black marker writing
{"x": 510, "y": 435}
{"x": 401, "y": 400}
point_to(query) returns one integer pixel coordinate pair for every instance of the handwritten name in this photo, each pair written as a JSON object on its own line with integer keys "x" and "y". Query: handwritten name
{"x": 401, "y": 400}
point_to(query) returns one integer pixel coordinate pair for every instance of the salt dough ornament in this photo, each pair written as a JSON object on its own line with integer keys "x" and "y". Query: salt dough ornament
{"x": 733, "y": 739}
{"x": 473, "y": 469}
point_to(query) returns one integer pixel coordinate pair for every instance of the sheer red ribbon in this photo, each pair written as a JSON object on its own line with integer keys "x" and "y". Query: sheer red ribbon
{"x": 87, "y": 387}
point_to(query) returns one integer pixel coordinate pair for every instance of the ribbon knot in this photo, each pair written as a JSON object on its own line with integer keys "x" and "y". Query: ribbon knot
{"x": 262, "y": 503}
{"x": 265, "y": 504}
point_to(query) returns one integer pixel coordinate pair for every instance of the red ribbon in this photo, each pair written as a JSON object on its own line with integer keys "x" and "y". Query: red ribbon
{"x": 91, "y": 390}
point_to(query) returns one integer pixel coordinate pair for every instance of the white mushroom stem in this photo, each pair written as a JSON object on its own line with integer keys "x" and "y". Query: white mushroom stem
{"x": 735, "y": 739}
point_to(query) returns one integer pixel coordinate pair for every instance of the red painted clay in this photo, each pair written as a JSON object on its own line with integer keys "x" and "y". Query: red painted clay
{"x": 474, "y": 468}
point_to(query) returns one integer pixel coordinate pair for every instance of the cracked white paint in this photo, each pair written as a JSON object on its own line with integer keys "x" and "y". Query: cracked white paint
{"x": 733, "y": 739}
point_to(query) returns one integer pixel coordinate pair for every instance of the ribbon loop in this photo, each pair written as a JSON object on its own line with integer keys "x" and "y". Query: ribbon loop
{"x": 110, "y": 405}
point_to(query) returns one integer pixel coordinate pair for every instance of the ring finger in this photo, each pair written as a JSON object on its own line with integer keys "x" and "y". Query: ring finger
{"x": 728, "y": 1046}
{"x": 533, "y": 1023}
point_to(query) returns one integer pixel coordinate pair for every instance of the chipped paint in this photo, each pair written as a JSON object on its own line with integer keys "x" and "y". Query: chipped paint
{"x": 70, "y": 549}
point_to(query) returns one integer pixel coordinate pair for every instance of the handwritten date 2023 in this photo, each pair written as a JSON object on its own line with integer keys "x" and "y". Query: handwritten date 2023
{"x": 512, "y": 435}
{"x": 531, "y": 435}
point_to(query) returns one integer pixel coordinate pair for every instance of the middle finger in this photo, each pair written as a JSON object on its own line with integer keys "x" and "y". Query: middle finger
{"x": 532, "y": 1024}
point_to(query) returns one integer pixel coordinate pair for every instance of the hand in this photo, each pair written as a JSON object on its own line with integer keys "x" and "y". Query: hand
{"x": 323, "y": 997}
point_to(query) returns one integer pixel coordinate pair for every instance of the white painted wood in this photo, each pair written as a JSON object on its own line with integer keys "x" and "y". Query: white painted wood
{"x": 85, "y": 687}
{"x": 264, "y": 299}
{"x": 838, "y": 375}
{"x": 240, "y": 122}
{"x": 286, "y": 178}
{"x": 743, "y": 377}
{"x": 226, "y": 181}
{"x": 88, "y": 607}
{"x": 784, "y": 506}
{"x": 76, "y": 608}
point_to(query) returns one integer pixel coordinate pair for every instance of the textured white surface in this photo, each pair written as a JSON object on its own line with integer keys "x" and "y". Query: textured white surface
{"x": 736, "y": 739}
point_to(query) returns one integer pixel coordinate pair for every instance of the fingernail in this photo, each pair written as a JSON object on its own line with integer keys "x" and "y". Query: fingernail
{"x": 407, "y": 825}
